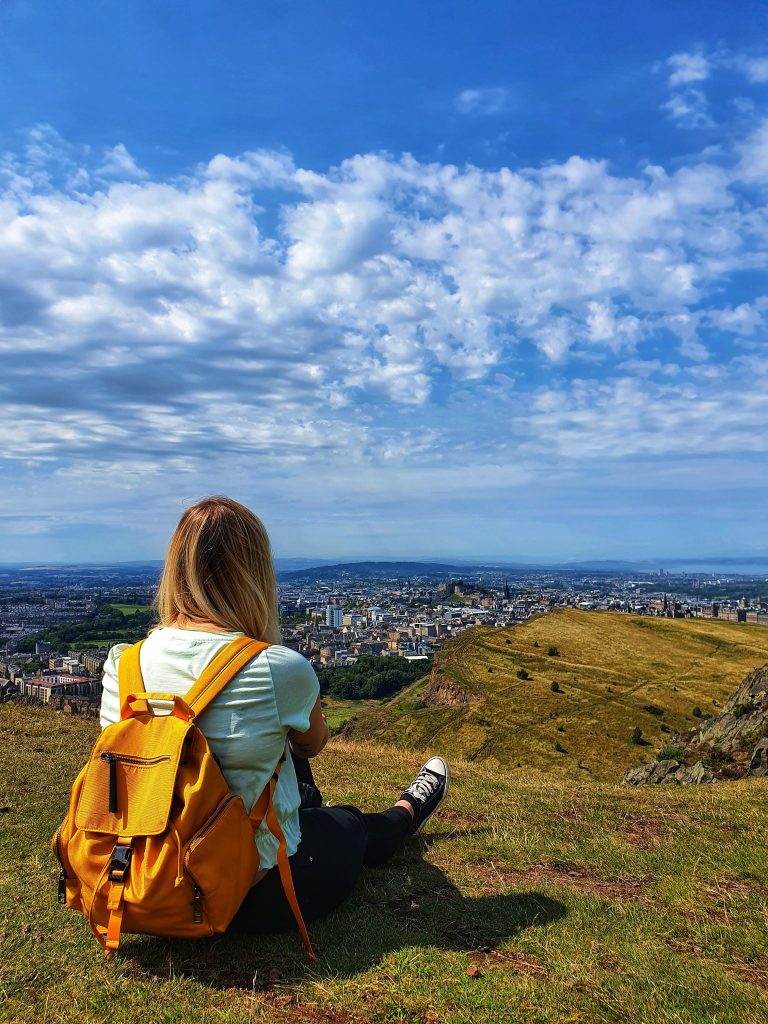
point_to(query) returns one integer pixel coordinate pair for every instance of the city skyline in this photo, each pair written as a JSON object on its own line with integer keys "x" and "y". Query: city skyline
{"x": 455, "y": 279}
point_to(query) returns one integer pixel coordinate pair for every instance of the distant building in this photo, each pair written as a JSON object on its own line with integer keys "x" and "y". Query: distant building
{"x": 50, "y": 688}
{"x": 334, "y": 615}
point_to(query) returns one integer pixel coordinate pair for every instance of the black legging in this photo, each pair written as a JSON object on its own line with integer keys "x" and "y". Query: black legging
{"x": 335, "y": 844}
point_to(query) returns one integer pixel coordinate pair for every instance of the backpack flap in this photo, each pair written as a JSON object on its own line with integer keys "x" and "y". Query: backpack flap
{"x": 129, "y": 782}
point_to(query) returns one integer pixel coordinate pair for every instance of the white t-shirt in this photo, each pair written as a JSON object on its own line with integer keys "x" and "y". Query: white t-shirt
{"x": 246, "y": 725}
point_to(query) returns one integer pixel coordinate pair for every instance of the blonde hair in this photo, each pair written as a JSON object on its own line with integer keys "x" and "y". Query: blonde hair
{"x": 219, "y": 568}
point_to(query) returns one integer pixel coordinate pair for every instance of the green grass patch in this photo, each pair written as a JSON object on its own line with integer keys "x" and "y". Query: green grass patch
{"x": 130, "y": 609}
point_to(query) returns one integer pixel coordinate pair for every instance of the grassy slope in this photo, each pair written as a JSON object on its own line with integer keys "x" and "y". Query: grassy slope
{"x": 610, "y": 666}
{"x": 583, "y": 903}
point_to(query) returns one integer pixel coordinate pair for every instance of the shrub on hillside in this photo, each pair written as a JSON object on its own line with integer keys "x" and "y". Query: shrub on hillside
{"x": 555, "y": 687}
{"x": 697, "y": 712}
{"x": 670, "y": 754}
{"x": 653, "y": 709}
{"x": 553, "y": 652}
{"x": 744, "y": 709}
{"x": 717, "y": 757}
{"x": 415, "y": 705}
{"x": 522, "y": 674}
{"x": 637, "y": 736}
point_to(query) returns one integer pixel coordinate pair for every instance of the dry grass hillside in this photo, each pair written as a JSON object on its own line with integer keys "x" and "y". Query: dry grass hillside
{"x": 613, "y": 672}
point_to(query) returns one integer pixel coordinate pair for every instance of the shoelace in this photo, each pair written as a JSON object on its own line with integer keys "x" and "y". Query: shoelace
{"x": 424, "y": 785}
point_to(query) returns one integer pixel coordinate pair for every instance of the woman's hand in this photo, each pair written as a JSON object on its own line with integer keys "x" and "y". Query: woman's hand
{"x": 311, "y": 742}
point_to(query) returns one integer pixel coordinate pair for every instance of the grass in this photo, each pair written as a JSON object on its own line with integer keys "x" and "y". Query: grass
{"x": 338, "y": 712}
{"x": 576, "y": 902}
{"x": 613, "y": 672}
{"x": 130, "y": 609}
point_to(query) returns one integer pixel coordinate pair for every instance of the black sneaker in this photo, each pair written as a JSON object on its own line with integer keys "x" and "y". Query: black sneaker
{"x": 427, "y": 791}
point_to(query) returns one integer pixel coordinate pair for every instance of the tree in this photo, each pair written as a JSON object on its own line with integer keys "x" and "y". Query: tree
{"x": 553, "y": 652}
{"x": 637, "y": 736}
{"x": 555, "y": 687}
{"x": 522, "y": 674}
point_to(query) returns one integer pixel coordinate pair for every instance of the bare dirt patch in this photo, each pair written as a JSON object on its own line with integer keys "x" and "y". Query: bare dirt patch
{"x": 644, "y": 833}
{"x": 575, "y": 876}
{"x": 753, "y": 972}
{"x": 520, "y": 963}
{"x": 311, "y": 1013}
{"x": 736, "y": 887}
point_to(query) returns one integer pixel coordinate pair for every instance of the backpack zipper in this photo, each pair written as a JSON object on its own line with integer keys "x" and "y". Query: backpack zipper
{"x": 140, "y": 762}
{"x": 61, "y": 894}
{"x": 197, "y": 902}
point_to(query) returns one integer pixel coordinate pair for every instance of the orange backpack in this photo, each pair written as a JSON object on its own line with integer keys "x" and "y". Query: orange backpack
{"x": 154, "y": 841}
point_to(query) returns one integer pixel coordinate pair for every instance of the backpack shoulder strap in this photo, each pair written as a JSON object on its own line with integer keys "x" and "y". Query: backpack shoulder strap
{"x": 129, "y": 677}
{"x": 221, "y": 671}
{"x": 264, "y": 810}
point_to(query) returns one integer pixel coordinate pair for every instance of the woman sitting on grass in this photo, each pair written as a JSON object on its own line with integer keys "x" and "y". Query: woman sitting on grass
{"x": 218, "y": 583}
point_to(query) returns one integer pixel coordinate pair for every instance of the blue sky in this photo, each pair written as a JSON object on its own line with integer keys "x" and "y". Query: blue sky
{"x": 471, "y": 280}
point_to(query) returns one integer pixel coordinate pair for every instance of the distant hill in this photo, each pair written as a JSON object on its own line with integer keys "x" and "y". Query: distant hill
{"x": 382, "y": 569}
{"x": 612, "y": 673}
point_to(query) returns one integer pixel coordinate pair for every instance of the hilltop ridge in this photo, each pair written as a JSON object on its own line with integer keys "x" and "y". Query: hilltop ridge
{"x": 564, "y": 692}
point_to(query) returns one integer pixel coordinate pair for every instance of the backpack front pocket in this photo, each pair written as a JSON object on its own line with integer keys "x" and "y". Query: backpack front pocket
{"x": 221, "y": 861}
{"x": 129, "y": 783}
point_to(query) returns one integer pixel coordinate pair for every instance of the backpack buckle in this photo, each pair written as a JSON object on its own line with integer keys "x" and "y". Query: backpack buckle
{"x": 121, "y": 860}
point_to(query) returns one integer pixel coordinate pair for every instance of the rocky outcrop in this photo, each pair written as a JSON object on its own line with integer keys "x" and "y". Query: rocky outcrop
{"x": 668, "y": 772}
{"x": 441, "y": 691}
{"x": 744, "y": 716}
{"x": 758, "y": 766}
{"x": 730, "y": 745}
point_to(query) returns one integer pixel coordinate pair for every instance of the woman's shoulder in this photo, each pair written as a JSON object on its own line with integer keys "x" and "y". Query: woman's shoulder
{"x": 113, "y": 655}
{"x": 286, "y": 659}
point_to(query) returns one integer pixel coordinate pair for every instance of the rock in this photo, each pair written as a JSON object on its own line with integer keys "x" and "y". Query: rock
{"x": 694, "y": 775}
{"x": 441, "y": 691}
{"x": 725, "y": 740}
{"x": 744, "y": 715}
{"x": 669, "y": 773}
{"x": 651, "y": 774}
{"x": 758, "y": 766}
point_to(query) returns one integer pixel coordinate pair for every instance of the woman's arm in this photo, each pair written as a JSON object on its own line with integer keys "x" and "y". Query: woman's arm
{"x": 311, "y": 742}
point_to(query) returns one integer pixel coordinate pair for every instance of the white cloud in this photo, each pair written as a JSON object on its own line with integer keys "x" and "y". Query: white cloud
{"x": 756, "y": 69}
{"x": 689, "y": 108}
{"x": 688, "y": 67}
{"x": 482, "y": 101}
{"x": 391, "y": 306}
{"x": 629, "y": 417}
{"x": 688, "y": 104}
{"x": 118, "y": 163}
{"x": 754, "y": 155}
